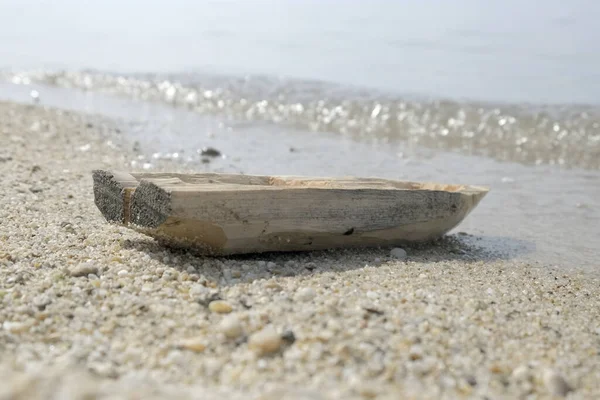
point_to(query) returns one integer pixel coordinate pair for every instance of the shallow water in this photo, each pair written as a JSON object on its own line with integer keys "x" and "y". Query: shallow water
{"x": 561, "y": 135}
{"x": 541, "y": 213}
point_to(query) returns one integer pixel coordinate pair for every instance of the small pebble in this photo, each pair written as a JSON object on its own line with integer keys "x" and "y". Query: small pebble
{"x": 83, "y": 270}
{"x": 265, "y": 341}
{"x": 367, "y": 390}
{"x": 170, "y": 275}
{"x": 311, "y": 266}
{"x": 271, "y": 265}
{"x": 206, "y": 298}
{"x": 398, "y": 253}
{"x": 273, "y": 285}
{"x": 210, "y": 152}
{"x": 415, "y": 353}
{"x": 198, "y": 289}
{"x": 556, "y": 384}
{"x": 147, "y": 287}
{"x": 123, "y": 272}
{"x": 105, "y": 370}
{"x": 522, "y": 373}
{"x": 306, "y": 294}
{"x": 288, "y": 337}
{"x": 231, "y": 327}
{"x": 42, "y": 301}
{"x": 36, "y": 189}
{"x": 15, "y": 327}
{"x": 471, "y": 380}
{"x": 220, "y": 306}
{"x": 195, "y": 344}
{"x": 372, "y": 295}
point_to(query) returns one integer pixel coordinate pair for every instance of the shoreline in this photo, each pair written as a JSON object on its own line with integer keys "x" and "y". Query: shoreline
{"x": 514, "y": 219}
{"x": 450, "y": 321}
{"x": 526, "y": 133}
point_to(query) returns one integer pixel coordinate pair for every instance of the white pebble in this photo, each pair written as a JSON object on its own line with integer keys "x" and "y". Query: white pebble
{"x": 84, "y": 269}
{"x": 170, "y": 275}
{"x": 231, "y": 327}
{"x": 261, "y": 364}
{"x": 306, "y": 294}
{"x": 265, "y": 341}
{"x": 15, "y": 327}
{"x": 522, "y": 373}
{"x": 448, "y": 381}
{"x": 123, "y": 272}
{"x": 198, "y": 289}
{"x": 556, "y": 384}
{"x": 147, "y": 287}
{"x": 398, "y": 253}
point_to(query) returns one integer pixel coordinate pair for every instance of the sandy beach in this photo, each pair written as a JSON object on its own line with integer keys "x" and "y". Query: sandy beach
{"x": 90, "y": 310}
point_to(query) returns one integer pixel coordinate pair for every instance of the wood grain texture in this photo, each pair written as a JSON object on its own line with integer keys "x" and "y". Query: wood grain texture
{"x": 231, "y": 214}
{"x": 111, "y": 194}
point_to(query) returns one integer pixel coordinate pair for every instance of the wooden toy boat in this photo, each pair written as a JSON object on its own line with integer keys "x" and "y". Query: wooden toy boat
{"x": 222, "y": 214}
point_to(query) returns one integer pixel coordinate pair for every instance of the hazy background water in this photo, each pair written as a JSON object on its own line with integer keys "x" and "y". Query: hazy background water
{"x": 508, "y": 50}
{"x": 418, "y": 90}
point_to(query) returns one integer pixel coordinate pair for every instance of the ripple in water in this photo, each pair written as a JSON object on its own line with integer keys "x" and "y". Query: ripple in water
{"x": 568, "y": 135}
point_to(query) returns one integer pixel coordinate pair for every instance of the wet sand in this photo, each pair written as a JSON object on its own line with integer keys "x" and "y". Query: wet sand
{"x": 92, "y": 309}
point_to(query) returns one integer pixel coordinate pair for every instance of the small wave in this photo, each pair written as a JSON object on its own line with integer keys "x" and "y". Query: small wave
{"x": 563, "y": 135}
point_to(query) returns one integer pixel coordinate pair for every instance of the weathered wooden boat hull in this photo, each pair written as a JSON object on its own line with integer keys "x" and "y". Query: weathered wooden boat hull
{"x": 223, "y": 214}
